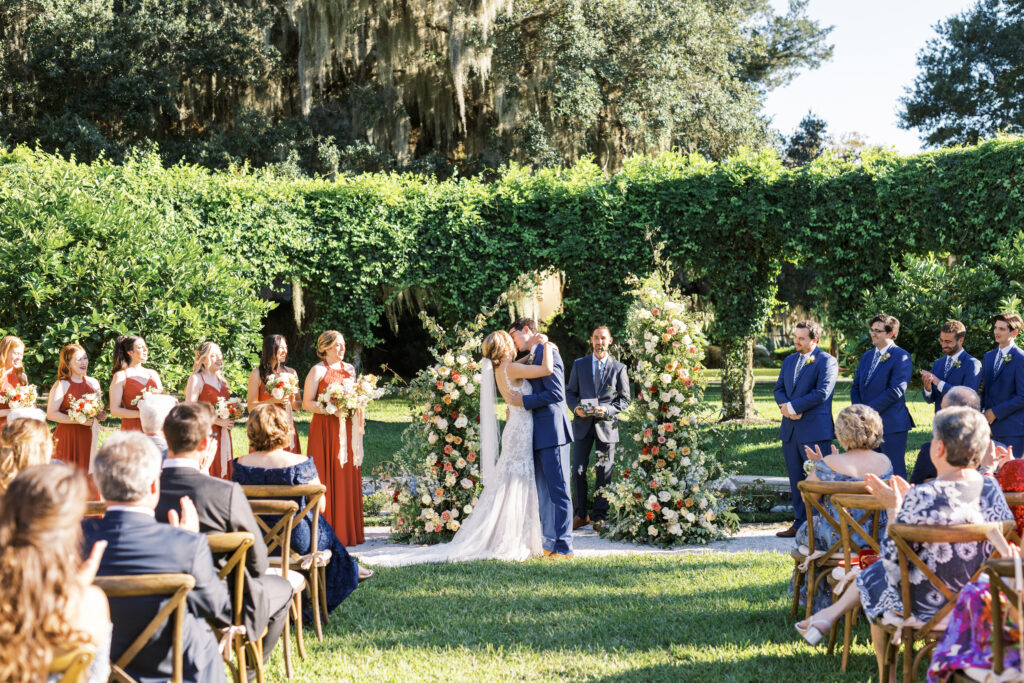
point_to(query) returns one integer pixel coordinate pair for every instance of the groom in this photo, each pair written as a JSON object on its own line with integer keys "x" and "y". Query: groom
{"x": 551, "y": 438}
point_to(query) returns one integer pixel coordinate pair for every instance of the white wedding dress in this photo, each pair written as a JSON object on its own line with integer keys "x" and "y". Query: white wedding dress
{"x": 505, "y": 524}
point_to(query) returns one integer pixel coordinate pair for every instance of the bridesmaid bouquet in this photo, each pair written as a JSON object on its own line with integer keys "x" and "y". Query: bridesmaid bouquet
{"x": 349, "y": 395}
{"x": 284, "y": 385}
{"x": 229, "y": 408}
{"x": 85, "y": 408}
{"x": 143, "y": 395}
{"x": 21, "y": 397}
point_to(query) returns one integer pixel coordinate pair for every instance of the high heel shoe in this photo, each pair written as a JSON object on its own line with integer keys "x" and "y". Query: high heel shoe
{"x": 812, "y": 633}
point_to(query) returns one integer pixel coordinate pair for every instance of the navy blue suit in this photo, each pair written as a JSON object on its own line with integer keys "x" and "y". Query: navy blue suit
{"x": 552, "y": 435}
{"x": 886, "y": 392}
{"x": 138, "y": 544}
{"x": 967, "y": 375}
{"x": 810, "y": 394}
{"x": 1004, "y": 396}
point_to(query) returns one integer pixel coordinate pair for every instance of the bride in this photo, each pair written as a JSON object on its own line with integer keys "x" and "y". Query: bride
{"x": 505, "y": 524}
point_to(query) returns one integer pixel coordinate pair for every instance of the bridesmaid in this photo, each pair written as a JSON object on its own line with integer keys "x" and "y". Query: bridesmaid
{"x": 207, "y": 384}
{"x": 275, "y": 352}
{"x": 75, "y": 443}
{"x": 129, "y": 380}
{"x": 344, "y": 482}
{"x": 12, "y": 373}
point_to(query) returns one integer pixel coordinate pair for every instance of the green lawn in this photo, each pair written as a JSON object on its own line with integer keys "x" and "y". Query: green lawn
{"x": 714, "y": 617}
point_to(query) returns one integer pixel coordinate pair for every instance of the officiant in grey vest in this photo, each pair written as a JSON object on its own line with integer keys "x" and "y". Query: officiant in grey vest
{"x": 598, "y": 390}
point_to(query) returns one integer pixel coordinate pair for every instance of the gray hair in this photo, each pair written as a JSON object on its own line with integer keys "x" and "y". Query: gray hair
{"x": 126, "y": 467}
{"x": 965, "y": 434}
{"x": 153, "y": 411}
{"x": 962, "y": 396}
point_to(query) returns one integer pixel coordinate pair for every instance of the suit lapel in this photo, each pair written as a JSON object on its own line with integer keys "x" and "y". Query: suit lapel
{"x": 588, "y": 374}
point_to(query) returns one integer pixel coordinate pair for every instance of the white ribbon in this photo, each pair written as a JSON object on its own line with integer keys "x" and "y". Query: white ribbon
{"x": 95, "y": 445}
{"x": 806, "y": 564}
{"x": 225, "y": 450}
{"x": 320, "y": 558}
{"x": 843, "y": 578}
{"x": 358, "y": 429}
{"x": 226, "y": 637}
{"x": 893, "y": 619}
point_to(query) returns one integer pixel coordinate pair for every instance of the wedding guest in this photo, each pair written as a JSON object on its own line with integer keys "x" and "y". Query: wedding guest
{"x": 275, "y": 353}
{"x": 959, "y": 495}
{"x": 954, "y": 396}
{"x": 152, "y": 413}
{"x": 207, "y": 384}
{"x": 128, "y": 474}
{"x": 803, "y": 393}
{"x": 23, "y": 442}
{"x": 76, "y": 442}
{"x": 599, "y": 380}
{"x": 881, "y": 382}
{"x": 955, "y": 368}
{"x": 1002, "y": 399}
{"x": 270, "y": 464}
{"x": 129, "y": 380}
{"x": 344, "y": 481}
{"x": 12, "y": 373}
{"x": 222, "y": 508}
{"x": 50, "y": 604}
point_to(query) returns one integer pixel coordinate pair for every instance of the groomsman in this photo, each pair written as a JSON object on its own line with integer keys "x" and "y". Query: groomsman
{"x": 599, "y": 381}
{"x": 881, "y": 382}
{"x": 955, "y": 368}
{"x": 804, "y": 394}
{"x": 1003, "y": 395}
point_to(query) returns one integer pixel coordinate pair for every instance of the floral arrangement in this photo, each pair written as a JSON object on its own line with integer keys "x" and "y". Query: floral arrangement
{"x": 669, "y": 492}
{"x": 143, "y": 395}
{"x": 283, "y": 385}
{"x": 24, "y": 396}
{"x": 85, "y": 408}
{"x": 229, "y": 408}
{"x": 349, "y": 395}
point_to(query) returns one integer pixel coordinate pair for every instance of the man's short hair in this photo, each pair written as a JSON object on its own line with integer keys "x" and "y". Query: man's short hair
{"x": 187, "y": 425}
{"x": 524, "y": 324}
{"x": 1012, "y": 320}
{"x": 126, "y": 467}
{"x": 153, "y": 411}
{"x": 891, "y": 324}
{"x": 954, "y": 327}
{"x": 813, "y": 329}
{"x": 965, "y": 434}
{"x": 962, "y": 396}
{"x": 601, "y": 327}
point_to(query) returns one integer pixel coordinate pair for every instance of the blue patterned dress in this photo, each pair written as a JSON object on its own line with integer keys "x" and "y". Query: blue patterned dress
{"x": 342, "y": 571}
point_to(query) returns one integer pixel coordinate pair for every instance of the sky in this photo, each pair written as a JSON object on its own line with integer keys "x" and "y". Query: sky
{"x": 873, "y": 62}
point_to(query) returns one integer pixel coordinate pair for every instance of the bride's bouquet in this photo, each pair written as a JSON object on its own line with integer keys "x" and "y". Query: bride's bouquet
{"x": 143, "y": 395}
{"x": 349, "y": 395}
{"x": 21, "y": 397}
{"x": 85, "y": 408}
{"x": 229, "y": 408}
{"x": 283, "y": 385}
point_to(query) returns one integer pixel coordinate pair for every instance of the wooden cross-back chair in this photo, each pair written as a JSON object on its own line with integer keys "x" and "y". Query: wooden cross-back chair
{"x": 235, "y": 547}
{"x": 176, "y": 587}
{"x": 908, "y": 633}
{"x": 313, "y": 564}
{"x": 810, "y": 566}
{"x": 95, "y": 508}
{"x": 1002, "y": 580}
{"x": 73, "y": 665}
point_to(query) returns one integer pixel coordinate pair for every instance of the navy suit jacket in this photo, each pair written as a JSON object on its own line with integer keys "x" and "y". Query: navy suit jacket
{"x": 138, "y": 544}
{"x": 810, "y": 395}
{"x": 613, "y": 395}
{"x": 1004, "y": 393}
{"x": 887, "y": 390}
{"x": 967, "y": 375}
{"x": 547, "y": 402}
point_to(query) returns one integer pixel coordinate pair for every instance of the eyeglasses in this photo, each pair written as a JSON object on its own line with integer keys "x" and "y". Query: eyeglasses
{"x": 874, "y": 331}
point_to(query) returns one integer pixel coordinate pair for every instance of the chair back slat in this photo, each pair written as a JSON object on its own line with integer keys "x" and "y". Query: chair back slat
{"x": 73, "y": 665}
{"x": 95, "y": 508}
{"x": 825, "y": 489}
{"x": 998, "y": 570}
{"x": 1014, "y": 497}
{"x": 235, "y": 545}
{"x": 844, "y": 503}
{"x": 312, "y": 493}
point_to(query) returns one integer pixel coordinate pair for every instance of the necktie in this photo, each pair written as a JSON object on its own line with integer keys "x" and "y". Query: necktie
{"x": 874, "y": 364}
{"x": 999, "y": 361}
{"x": 949, "y": 366}
{"x": 599, "y": 376}
{"x": 799, "y": 367}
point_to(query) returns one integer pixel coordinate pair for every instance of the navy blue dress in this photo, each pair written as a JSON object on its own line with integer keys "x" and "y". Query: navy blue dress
{"x": 342, "y": 571}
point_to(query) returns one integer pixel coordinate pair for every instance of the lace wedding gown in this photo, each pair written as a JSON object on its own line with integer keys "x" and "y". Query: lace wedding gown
{"x": 505, "y": 524}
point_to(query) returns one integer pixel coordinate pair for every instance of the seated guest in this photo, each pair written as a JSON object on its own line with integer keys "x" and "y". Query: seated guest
{"x": 152, "y": 413}
{"x": 955, "y": 396}
{"x": 24, "y": 442}
{"x": 271, "y": 464}
{"x": 958, "y": 495}
{"x": 127, "y": 471}
{"x": 47, "y": 613}
{"x": 222, "y": 508}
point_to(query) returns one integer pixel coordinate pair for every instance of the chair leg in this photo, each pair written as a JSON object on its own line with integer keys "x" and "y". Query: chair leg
{"x": 811, "y": 590}
{"x": 832, "y": 635}
{"x": 908, "y": 655}
{"x": 287, "y": 640}
{"x": 798, "y": 581}
{"x": 323, "y": 594}
{"x": 299, "y": 642}
{"x": 847, "y": 637}
{"x": 314, "y": 598}
{"x": 243, "y": 673}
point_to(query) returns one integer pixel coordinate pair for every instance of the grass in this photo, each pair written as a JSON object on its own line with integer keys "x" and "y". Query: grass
{"x": 715, "y": 617}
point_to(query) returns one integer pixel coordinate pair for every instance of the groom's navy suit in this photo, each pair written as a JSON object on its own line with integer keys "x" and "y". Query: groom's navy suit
{"x": 886, "y": 391}
{"x": 552, "y": 435}
{"x": 1004, "y": 395}
{"x": 810, "y": 395}
{"x": 967, "y": 375}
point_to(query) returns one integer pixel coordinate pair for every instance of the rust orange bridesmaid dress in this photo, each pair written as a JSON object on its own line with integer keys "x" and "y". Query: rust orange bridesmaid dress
{"x": 132, "y": 389}
{"x": 221, "y": 467}
{"x": 10, "y": 380}
{"x": 344, "y": 482}
{"x": 73, "y": 442}
{"x": 296, "y": 446}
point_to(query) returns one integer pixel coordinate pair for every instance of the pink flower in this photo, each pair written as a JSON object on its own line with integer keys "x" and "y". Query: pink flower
{"x": 661, "y": 439}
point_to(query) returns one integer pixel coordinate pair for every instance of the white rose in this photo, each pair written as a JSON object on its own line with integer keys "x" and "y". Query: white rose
{"x": 690, "y": 516}
{"x": 666, "y": 378}
{"x": 441, "y": 423}
{"x": 653, "y": 405}
{"x": 460, "y": 463}
{"x": 665, "y": 397}
{"x": 454, "y": 512}
{"x": 636, "y": 437}
{"x": 664, "y": 496}
{"x": 448, "y": 386}
{"x": 469, "y": 389}
{"x": 431, "y": 438}
{"x": 462, "y": 380}
{"x": 454, "y": 394}
{"x": 686, "y": 338}
{"x": 674, "y": 410}
{"x": 467, "y": 509}
{"x": 692, "y": 400}
{"x": 443, "y": 371}
{"x": 679, "y": 397}
{"x": 277, "y": 393}
{"x": 449, "y": 479}
{"x": 652, "y": 530}
{"x": 672, "y": 480}
{"x": 449, "y": 359}
{"x": 429, "y": 527}
{"x": 670, "y": 444}
{"x": 649, "y": 347}
{"x": 651, "y": 499}
{"x": 466, "y": 483}
{"x": 669, "y": 514}
{"x": 685, "y": 462}
{"x": 453, "y": 525}
{"x": 675, "y": 530}
{"x": 425, "y": 499}
{"x": 461, "y": 422}
{"x": 462, "y": 359}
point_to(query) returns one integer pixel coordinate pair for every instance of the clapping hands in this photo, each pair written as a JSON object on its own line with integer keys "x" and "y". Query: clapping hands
{"x": 816, "y": 453}
{"x": 888, "y": 493}
{"x": 189, "y": 518}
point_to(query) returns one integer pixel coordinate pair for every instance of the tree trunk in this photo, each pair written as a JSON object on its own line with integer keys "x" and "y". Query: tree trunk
{"x": 738, "y": 379}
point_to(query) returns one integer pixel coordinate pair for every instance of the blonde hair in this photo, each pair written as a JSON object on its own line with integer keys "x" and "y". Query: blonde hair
{"x": 203, "y": 359}
{"x": 326, "y": 341}
{"x": 269, "y": 428}
{"x": 8, "y": 344}
{"x": 23, "y": 442}
{"x": 64, "y": 365}
{"x": 859, "y": 427}
{"x": 498, "y": 345}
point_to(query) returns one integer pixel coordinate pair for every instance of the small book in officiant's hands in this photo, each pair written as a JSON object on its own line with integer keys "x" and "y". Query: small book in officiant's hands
{"x": 589, "y": 406}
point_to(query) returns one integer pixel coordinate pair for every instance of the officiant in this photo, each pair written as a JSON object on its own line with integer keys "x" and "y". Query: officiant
{"x": 597, "y": 392}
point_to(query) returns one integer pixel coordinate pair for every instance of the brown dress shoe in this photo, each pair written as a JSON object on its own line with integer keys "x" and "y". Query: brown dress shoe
{"x": 578, "y": 522}
{"x": 787, "y": 533}
{"x": 598, "y": 525}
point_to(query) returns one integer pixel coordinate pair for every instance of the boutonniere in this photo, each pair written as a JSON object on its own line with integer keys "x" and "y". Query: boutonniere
{"x": 956, "y": 364}
{"x": 810, "y": 359}
{"x": 1006, "y": 358}
{"x": 885, "y": 357}
{"x": 529, "y": 359}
